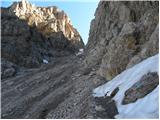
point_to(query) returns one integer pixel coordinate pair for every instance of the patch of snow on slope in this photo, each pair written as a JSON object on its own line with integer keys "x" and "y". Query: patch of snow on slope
{"x": 45, "y": 61}
{"x": 81, "y": 51}
{"x": 147, "y": 107}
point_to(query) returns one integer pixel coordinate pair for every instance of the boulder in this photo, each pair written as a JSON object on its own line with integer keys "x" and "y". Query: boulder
{"x": 104, "y": 107}
{"x": 8, "y": 69}
{"x": 141, "y": 88}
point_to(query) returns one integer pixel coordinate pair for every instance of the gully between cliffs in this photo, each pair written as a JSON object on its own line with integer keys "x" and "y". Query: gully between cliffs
{"x": 61, "y": 89}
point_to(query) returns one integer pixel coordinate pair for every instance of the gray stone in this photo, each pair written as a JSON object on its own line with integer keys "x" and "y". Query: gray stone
{"x": 104, "y": 107}
{"x": 141, "y": 88}
{"x": 8, "y": 69}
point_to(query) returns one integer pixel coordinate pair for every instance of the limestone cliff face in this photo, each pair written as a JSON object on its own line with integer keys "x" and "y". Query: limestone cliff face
{"x": 48, "y": 20}
{"x": 121, "y": 35}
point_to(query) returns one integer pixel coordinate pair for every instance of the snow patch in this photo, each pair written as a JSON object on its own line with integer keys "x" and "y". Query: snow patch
{"x": 45, "y": 61}
{"x": 81, "y": 51}
{"x": 124, "y": 81}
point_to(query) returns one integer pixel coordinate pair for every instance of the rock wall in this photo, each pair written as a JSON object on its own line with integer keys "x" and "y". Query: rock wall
{"x": 31, "y": 34}
{"x": 121, "y": 35}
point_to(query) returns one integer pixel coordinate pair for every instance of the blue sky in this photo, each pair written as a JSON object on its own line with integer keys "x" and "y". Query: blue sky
{"x": 81, "y": 12}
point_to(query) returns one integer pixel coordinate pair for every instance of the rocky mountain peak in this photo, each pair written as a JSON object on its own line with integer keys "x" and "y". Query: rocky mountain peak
{"x": 46, "y": 19}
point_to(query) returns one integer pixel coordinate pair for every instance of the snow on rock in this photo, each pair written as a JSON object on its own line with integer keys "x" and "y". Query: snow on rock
{"x": 80, "y": 52}
{"x": 146, "y": 107}
{"x": 45, "y": 61}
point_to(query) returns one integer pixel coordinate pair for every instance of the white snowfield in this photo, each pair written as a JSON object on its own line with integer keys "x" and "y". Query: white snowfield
{"x": 147, "y": 107}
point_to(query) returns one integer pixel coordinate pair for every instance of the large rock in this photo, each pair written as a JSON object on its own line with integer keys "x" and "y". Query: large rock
{"x": 8, "y": 69}
{"x": 141, "y": 88}
{"x": 122, "y": 35}
{"x": 104, "y": 108}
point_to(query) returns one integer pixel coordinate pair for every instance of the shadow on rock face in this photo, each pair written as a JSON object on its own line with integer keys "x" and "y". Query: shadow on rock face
{"x": 25, "y": 46}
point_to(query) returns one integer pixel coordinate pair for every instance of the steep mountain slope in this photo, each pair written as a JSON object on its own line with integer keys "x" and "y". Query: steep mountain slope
{"x": 33, "y": 35}
{"x": 21, "y": 44}
{"x": 121, "y": 35}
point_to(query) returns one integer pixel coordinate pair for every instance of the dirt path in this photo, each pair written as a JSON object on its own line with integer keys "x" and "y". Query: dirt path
{"x": 61, "y": 89}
